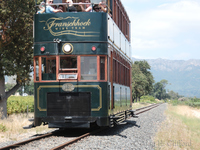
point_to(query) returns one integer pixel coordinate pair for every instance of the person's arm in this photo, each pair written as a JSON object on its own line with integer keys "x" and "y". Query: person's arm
{"x": 88, "y": 9}
{"x": 104, "y": 9}
{"x": 81, "y": 5}
{"x": 57, "y": 10}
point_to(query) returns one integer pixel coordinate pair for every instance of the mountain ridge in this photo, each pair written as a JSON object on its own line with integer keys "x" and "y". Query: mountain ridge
{"x": 183, "y": 75}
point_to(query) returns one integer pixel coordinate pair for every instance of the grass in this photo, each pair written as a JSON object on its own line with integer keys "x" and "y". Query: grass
{"x": 181, "y": 130}
{"x": 145, "y": 101}
{"x": 11, "y": 129}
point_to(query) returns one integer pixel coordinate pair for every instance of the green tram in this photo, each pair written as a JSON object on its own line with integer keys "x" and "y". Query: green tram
{"x": 82, "y": 66}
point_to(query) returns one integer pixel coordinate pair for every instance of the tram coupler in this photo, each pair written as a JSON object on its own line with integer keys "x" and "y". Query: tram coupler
{"x": 133, "y": 114}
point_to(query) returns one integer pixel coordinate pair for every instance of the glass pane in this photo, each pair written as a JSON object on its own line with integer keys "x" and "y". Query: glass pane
{"x": 37, "y": 69}
{"x": 68, "y": 62}
{"x": 48, "y": 68}
{"x": 88, "y": 68}
{"x": 102, "y": 68}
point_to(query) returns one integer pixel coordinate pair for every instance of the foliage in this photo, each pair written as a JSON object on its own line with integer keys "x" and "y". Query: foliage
{"x": 28, "y": 88}
{"x": 8, "y": 87}
{"x": 3, "y": 128}
{"x": 192, "y": 102}
{"x": 159, "y": 90}
{"x": 142, "y": 79}
{"x": 18, "y": 104}
{"x": 16, "y": 41}
{"x": 148, "y": 99}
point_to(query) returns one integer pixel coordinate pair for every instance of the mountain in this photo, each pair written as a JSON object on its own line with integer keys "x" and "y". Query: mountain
{"x": 183, "y": 76}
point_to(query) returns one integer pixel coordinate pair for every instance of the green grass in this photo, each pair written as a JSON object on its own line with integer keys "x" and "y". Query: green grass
{"x": 3, "y": 128}
{"x": 189, "y": 102}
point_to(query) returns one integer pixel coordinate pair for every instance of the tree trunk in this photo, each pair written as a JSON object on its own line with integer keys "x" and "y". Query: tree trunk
{"x": 4, "y": 96}
{"x": 3, "y": 99}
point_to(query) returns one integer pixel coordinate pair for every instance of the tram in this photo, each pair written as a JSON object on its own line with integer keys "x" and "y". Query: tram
{"x": 82, "y": 66}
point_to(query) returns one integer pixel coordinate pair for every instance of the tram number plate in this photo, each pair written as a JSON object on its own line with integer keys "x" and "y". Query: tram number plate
{"x": 67, "y": 76}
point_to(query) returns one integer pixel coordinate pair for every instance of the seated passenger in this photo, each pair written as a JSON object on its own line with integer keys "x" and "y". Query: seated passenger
{"x": 50, "y": 9}
{"x": 61, "y": 7}
{"x": 70, "y": 6}
{"x": 42, "y": 8}
{"x": 88, "y": 6}
{"x": 96, "y": 8}
{"x": 54, "y": 6}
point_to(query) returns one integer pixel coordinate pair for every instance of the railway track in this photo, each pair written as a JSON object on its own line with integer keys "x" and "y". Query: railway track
{"x": 135, "y": 112}
{"x": 144, "y": 109}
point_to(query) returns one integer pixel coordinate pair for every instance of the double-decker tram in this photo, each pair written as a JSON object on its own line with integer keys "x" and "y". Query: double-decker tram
{"x": 82, "y": 64}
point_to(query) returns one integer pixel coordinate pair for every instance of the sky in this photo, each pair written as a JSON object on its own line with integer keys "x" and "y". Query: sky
{"x": 167, "y": 29}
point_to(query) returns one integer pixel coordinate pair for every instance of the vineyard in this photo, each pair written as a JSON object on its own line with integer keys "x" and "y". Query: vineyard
{"x": 18, "y": 104}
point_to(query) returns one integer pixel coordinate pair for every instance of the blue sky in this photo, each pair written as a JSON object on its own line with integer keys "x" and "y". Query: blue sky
{"x": 168, "y": 29}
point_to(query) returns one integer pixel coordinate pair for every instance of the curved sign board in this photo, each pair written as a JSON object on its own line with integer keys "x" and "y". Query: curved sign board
{"x": 81, "y": 26}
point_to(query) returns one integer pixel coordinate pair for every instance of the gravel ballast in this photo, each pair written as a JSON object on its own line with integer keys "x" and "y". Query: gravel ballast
{"x": 135, "y": 135}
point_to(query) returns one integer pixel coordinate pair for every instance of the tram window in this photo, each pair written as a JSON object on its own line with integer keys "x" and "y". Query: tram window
{"x": 102, "y": 68}
{"x": 48, "y": 68}
{"x": 88, "y": 68}
{"x": 37, "y": 69}
{"x": 68, "y": 62}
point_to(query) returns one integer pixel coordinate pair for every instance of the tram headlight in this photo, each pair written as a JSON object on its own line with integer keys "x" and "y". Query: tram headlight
{"x": 67, "y": 48}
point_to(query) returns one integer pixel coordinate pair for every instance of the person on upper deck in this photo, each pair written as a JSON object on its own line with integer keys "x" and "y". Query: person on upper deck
{"x": 88, "y": 6}
{"x": 96, "y": 8}
{"x": 61, "y": 7}
{"x": 42, "y": 8}
{"x": 50, "y": 9}
{"x": 103, "y": 6}
{"x": 70, "y": 6}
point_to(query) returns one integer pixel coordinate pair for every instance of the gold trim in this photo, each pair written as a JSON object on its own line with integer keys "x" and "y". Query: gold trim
{"x": 81, "y": 86}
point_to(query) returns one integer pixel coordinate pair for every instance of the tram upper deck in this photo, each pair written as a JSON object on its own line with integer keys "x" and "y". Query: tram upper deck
{"x": 51, "y": 29}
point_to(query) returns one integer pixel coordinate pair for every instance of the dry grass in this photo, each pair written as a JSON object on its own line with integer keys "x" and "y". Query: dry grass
{"x": 139, "y": 105}
{"x": 14, "y": 128}
{"x": 180, "y": 131}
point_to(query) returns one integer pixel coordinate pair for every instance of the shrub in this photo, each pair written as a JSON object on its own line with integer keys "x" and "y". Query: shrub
{"x": 18, "y": 104}
{"x": 147, "y": 99}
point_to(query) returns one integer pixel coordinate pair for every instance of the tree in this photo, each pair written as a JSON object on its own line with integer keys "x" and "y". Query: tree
{"x": 174, "y": 95}
{"x": 16, "y": 32}
{"x": 159, "y": 89}
{"x": 28, "y": 88}
{"x": 142, "y": 79}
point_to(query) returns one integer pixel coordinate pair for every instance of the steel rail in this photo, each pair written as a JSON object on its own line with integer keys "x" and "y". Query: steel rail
{"x": 146, "y": 108}
{"x": 78, "y": 138}
{"x": 26, "y": 141}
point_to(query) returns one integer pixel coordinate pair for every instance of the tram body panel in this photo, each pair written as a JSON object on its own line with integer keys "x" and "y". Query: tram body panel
{"x": 78, "y": 94}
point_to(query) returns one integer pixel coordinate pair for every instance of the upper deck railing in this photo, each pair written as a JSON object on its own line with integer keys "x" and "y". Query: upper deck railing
{"x": 95, "y": 6}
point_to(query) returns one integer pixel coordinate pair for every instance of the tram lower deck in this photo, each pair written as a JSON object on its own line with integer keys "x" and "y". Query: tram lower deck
{"x": 74, "y": 105}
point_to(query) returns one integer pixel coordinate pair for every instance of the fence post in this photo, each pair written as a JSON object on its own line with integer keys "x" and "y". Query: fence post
{"x": 27, "y": 111}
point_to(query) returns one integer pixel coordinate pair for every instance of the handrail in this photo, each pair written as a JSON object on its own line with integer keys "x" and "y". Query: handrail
{"x": 45, "y": 4}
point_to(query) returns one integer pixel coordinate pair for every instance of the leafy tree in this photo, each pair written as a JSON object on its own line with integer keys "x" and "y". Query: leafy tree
{"x": 142, "y": 79}
{"x": 159, "y": 89}
{"x": 16, "y": 32}
{"x": 173, "y": 95}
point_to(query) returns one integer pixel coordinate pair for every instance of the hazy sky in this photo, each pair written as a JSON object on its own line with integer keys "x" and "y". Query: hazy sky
{"x": 168, "y": 29}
